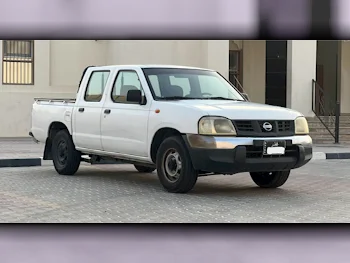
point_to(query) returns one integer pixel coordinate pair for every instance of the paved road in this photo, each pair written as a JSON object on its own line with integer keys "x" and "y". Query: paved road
{"x": 318, "y": 192}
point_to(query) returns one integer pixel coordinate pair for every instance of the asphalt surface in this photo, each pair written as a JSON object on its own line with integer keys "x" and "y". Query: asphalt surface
{"x": 317, "y": 192}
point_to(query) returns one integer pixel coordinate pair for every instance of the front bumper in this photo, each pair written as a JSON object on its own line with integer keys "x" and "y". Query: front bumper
{"x": 230, "y": 155}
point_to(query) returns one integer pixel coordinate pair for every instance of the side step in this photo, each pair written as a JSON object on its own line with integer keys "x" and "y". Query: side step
{"x": 93, "y": 160}
{"x": 97, "y": 160}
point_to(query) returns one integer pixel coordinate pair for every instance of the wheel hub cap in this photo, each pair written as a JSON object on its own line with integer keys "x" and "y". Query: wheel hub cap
{"x": 172, "y": 165}
{"x": 62, "y": 151}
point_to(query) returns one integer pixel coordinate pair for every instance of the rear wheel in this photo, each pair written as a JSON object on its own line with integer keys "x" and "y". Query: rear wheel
{"x": 270, "y": 179}
{"x": 174, "y": 166}
{"x": 66, "y": 158}
{"x": 144, "y": 169}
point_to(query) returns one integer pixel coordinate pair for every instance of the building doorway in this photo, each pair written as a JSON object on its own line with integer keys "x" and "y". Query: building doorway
{"x": 326, "y": 76}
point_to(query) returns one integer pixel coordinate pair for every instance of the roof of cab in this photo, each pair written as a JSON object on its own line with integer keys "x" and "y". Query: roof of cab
{"x": 148, "y": 66}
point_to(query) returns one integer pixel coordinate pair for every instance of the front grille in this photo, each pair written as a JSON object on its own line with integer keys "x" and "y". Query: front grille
{"x": 255, "y": 128}
{"x": 244, "y": 126}
{"x": 284, "y": 126}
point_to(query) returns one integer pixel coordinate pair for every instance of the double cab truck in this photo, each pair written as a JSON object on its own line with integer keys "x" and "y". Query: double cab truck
{"x": 184, "y": 122}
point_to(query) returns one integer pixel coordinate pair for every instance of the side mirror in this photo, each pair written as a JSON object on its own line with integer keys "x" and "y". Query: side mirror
{"x": 245, "y": 95}
{"x": 134, "y": 96}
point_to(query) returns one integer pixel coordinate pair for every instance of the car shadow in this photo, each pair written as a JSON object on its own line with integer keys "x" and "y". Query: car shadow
{"x": 214, "y": 185}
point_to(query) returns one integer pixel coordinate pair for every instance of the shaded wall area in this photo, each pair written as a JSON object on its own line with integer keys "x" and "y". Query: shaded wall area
{"x": 326, "y": 72}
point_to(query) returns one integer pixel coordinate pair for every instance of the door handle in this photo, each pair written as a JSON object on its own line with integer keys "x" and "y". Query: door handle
{"x": 81, "y": 109}
{"x": 108, "y": 111}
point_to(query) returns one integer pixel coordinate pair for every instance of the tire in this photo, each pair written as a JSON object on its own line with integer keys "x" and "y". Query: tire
{"x": 270, "y": 179}
{"x": 144, "y": 169}
{"x": 66, "y": 158}
{"x": 173, "y": 152}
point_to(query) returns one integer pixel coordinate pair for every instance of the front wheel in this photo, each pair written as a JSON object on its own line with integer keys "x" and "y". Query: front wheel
{"x": 174, "y": 166}
{"x": 66, "y": 158}
{"x": 270, "y": 179}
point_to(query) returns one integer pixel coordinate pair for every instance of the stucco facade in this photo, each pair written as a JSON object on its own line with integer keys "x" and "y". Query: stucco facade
{"x": 58, "y": 65}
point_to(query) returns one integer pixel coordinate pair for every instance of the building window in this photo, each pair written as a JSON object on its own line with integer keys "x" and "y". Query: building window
{"x": 18, "y": 62}
{"x": 236, "y": 68}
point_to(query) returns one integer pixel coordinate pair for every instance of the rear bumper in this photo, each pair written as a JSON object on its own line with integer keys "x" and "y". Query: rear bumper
{"x": 232, "y": 155}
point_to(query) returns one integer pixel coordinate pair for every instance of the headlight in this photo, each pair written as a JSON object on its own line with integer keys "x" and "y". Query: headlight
{"x": 301, "y": 126}
{"x": 216, "y": 126}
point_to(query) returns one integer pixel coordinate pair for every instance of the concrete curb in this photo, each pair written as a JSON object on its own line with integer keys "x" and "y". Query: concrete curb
{"x": 21, "y": 162}
{"x": 330, "y": 156}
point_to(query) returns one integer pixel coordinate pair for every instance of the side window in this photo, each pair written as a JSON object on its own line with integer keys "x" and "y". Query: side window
{"x": 125, "y": 81}
{"x": 96, "y": 86}
{"x": 184, "y": 83}
{"x": 155, "y": 85}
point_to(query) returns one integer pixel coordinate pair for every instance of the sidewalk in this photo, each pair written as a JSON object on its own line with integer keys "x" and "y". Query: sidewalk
{"x": 20, "y": 152}
{"x": 13, "y": 148}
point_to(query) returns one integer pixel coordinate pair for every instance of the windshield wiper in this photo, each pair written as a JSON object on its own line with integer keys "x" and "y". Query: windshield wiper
{"x": 220, "y": 98}
{"x": 178, "y": 98}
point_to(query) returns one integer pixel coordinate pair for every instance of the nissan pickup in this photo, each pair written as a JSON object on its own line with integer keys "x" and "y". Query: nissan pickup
{"x": 183, "y": 122}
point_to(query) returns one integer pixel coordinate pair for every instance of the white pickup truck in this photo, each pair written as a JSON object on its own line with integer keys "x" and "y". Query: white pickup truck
{"x": 183, "y": 122}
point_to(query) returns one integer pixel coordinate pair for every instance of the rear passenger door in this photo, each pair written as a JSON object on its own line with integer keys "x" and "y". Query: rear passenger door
{"x": 87, "y": 113}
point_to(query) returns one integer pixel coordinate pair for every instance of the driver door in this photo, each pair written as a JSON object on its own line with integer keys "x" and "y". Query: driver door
{"x": 124, "y": 124}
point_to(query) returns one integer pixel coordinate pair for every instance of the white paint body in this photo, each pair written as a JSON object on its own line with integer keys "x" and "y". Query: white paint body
{"x": 128, "y": 131}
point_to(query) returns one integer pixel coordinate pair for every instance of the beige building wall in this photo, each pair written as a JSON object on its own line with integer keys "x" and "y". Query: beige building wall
{"x": 301, "y": 70}
{"x": 197, "y": 53}
{"x": 58, "y": 65}
{"x": 254, "y": 69}
{"x": 69, "y": 58}
{"x": 57, "y": 69}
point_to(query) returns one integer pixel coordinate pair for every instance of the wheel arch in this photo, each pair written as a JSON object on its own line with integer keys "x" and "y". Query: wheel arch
{"x": 160, "y": 135}
{"x": 53, "y": 129}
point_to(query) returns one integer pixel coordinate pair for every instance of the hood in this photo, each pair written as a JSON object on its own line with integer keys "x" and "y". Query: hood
{"x": 240, "y": 110}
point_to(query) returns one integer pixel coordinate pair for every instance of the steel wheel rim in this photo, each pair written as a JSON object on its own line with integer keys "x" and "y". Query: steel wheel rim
{"x": 172, "y": 165}
{"x": 62, "y": 152}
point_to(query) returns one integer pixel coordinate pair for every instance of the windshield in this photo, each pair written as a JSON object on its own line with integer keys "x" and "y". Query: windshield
{"x": 174, "y": 83}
